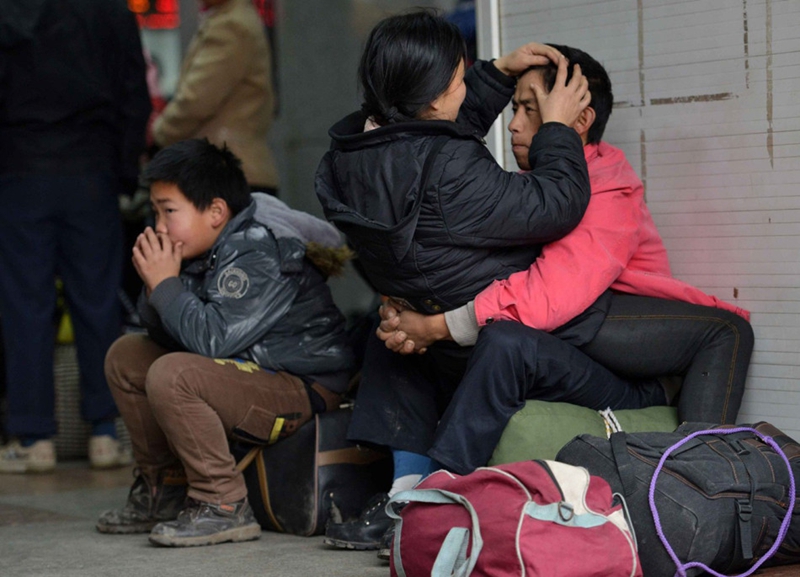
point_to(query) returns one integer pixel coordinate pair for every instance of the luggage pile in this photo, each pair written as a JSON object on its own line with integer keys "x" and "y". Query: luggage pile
{"x": 720, "y": 500}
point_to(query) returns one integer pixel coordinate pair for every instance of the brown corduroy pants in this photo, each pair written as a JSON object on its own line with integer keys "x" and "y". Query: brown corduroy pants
{"x": 182, "y": 409}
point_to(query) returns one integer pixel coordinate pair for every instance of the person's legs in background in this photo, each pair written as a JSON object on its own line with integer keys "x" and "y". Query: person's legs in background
{"x": 709, "y": 348}
{"x": 67, "y": 225}
{"x": 89, "y": 251}
{"x": 27, "y": 307}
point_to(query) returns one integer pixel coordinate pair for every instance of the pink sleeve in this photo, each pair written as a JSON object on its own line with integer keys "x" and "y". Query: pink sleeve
{"x": 571, "y": 273}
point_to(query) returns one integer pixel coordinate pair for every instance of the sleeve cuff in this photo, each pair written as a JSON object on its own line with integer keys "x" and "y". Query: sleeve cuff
{"x": 463, "y": 324}
{"x": 147, "y": 314}
{"x": 491, "y": 70}
{"x": 165, "y": 293}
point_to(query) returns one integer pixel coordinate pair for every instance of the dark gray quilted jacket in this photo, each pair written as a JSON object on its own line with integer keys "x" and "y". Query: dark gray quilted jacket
{"x": 255, "y": 297}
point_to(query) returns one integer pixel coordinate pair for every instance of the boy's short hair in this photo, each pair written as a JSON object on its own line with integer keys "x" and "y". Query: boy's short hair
{"x": 202, "y": 172}
{"x": 599, "y": 86}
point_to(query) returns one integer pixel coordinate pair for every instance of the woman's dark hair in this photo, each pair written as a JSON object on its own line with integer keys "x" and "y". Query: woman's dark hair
{"x": 408, "y": 62}
{"x": 202, "y": 172}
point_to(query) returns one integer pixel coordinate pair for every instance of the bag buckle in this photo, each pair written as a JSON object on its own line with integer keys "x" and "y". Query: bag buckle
{"x": 565, "y": 511}
{"x": 745, "y": 510}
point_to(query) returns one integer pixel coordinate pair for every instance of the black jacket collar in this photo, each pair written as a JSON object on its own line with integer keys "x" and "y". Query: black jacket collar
{"x": 348, "y": 133}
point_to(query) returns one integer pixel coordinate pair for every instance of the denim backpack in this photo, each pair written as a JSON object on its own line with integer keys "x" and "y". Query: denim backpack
{"x": 704, "y": 498}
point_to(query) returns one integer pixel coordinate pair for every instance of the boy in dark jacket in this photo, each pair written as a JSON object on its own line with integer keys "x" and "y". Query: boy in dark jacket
{"x": 244, "y": 341}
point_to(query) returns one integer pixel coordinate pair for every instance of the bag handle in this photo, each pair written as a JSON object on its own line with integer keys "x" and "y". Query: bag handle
{"x": 248, "y": 458}
{"x": 619, "y": 449}
{"x": 452, "y": 559}
{"x": 682, "y": 567}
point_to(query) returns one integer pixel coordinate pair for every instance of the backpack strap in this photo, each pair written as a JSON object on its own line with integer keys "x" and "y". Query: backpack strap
{"x": 619, "y": 449}
{"x": 744, "y": 508}
{"x": 787, "y": 519}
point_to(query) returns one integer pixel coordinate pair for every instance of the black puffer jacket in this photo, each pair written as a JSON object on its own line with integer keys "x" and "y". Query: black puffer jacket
{"x": 472, "y": 222}
{"x": 253, "y": 296}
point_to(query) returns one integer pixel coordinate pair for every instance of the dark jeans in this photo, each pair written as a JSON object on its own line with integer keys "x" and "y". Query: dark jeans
{"x": 454, "y": 403}
{"x": 417, "y": 404}
{"x": 710, "y": 348}
{"x": 67, "y": 226}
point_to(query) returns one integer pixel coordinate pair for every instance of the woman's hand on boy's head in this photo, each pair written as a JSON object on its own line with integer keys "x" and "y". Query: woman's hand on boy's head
{"x": 531, "y": 54}
{"x": 156, "y": 258}
{"x": 567, "y": 100}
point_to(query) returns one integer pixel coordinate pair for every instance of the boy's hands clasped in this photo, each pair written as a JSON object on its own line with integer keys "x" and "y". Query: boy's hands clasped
{"x": 156, "y": 258}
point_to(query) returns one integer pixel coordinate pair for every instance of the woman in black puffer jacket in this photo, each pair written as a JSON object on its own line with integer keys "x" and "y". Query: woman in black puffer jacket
{"x": 436, "y": 237}
{"x": 433, "y": 217}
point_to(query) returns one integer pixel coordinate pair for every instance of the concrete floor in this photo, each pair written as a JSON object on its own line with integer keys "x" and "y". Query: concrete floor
{"x": 47, "y": 529}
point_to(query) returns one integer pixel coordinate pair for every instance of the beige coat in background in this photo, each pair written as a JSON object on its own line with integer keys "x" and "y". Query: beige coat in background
{"x": 225, "y": 91}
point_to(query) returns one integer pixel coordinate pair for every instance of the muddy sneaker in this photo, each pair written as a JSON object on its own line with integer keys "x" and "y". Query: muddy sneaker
{"x": 208, "y": 524}
{"x": 147, "y": 506}
{"x": 38, "y": 458}
{"x": 106, "y": 452}
{"x": 366, "y": 532}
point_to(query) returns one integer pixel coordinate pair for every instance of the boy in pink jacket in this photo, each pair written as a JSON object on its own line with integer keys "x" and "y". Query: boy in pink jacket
{"x": 614, "y": 265}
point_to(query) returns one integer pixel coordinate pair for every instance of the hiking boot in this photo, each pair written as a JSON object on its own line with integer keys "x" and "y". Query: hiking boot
{"x": 387, "y": 541}
{"x": 106, "y": 452}
{"x": 147, "y": 506}
{"x": 208, "y": 524}
{"x": 40, "y": 457}
{"x": 366, "y": 532}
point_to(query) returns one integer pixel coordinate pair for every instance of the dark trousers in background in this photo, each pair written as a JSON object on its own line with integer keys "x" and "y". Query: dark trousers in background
{"x": 67, "y": 226}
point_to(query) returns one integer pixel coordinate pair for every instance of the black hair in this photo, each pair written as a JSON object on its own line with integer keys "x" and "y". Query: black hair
{"x": 408, "y": 62}
{"x": 202, "y": 172}
{"x": 599, "y": 86}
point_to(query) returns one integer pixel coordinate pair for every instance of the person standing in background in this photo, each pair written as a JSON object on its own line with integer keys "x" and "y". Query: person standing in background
{"x": 73, "y": 110}
{"x": 225, "y": 91}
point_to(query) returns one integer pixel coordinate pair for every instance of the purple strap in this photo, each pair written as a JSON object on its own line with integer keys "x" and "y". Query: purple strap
{"x": 682, "y": 567}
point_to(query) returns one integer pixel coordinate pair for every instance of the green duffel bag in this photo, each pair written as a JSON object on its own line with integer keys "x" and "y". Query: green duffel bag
{"x": 540, "y": 429}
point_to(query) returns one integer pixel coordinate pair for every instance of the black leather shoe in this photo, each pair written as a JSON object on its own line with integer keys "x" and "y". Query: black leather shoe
{"x": 366, "y": 532}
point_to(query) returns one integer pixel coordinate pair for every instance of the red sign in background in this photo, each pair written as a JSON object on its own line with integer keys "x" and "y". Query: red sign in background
{"x": 156, "y": 14}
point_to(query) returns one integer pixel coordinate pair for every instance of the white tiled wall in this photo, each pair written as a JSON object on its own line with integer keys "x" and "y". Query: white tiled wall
{"x": 707, "y": 108}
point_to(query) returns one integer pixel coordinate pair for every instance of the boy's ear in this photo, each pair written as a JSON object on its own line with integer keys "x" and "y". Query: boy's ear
{"x": 219, "y": 212}
{"x": 585, "y": 121}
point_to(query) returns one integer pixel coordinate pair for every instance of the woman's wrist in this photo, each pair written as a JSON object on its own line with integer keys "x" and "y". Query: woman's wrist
{"x": 501, "y": 66}
{"x": 437, "y": 328}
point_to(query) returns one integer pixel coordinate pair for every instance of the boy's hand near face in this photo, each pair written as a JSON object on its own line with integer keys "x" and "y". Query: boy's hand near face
{"x": 156, "y": 258}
